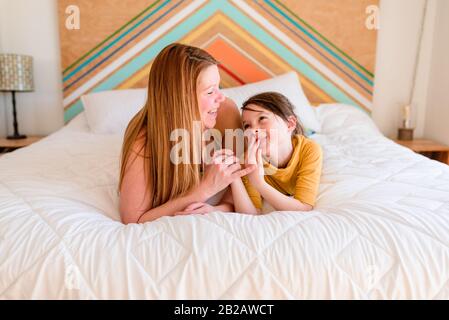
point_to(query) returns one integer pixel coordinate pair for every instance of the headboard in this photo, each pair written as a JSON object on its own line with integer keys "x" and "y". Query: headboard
{"x": 111, "y": 44}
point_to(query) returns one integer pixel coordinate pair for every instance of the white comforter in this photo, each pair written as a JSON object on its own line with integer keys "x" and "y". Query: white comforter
{"x": 380, "y": 229}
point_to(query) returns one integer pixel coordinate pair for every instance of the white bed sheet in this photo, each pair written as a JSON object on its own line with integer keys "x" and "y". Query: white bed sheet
{"x": 380, "y": 229}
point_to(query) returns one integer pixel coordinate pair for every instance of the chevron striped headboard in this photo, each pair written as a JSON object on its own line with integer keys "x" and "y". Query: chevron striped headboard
{"x": 111, "y": 44}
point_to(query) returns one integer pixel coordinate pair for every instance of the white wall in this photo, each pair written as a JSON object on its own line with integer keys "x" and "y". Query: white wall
{"x": 397, "y": 44}
{"x": 398, "y": 40}
{"x": 437, "y": 118}
{"x": 423, "y": 73}
{"x": 31, "y": 27}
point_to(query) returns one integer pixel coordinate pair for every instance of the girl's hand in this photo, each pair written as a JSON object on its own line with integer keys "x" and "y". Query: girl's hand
{"x": 222, "y": 171}
{"x": 197, "y": 208}
{"x": 254, "y": 159}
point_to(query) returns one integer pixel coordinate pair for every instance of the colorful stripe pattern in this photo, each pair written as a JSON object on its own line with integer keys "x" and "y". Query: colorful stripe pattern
{"x": 253, "y": 40}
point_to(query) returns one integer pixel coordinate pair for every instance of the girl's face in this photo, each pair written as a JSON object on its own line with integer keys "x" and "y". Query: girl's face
{"x": 209, "y": 95}
{"x": 271, "y": 130}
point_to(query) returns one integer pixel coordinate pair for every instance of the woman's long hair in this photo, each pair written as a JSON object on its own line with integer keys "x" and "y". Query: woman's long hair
{"x": 171, "y": 104}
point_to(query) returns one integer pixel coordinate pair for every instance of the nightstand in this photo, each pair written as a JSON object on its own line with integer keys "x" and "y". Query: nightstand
{"x": 7, "y": 145}
{"x": 428, "y": 148}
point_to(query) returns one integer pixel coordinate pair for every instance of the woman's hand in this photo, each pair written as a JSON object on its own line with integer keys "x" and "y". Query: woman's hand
{"x": 197, "y": 208}
{"x": 223, "y": 169}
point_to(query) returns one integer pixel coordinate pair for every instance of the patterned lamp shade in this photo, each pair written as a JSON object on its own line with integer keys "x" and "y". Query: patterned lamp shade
{"x": 16, "y": 72}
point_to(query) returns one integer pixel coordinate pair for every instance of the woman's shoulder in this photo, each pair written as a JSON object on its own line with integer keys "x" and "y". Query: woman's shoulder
{"x": 228, "y": 116}
{"x": 228, "y": 102}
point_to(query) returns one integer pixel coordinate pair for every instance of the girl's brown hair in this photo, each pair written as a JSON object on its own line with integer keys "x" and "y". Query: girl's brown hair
{"x": 276, "y": 103}
{"x": 171, "y": 104}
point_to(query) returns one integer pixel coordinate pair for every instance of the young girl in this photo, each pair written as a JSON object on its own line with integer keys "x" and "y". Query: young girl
{"x": 294, "y": 161}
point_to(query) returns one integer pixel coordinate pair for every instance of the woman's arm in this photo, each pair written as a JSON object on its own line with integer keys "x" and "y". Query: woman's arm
{"x": 173, "y": 207}
{"x": 225, "y": 205}
{"x": 235, "y": 199}
{"x": 136, "y": 194}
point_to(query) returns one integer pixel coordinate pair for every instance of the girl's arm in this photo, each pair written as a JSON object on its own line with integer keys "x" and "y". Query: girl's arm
{"x": 276, "y": 199}
{"x": 279, "y": 201}
{"x": 242, "y": 201}
{"x": 226, "y": 204}
{"x": 235, "y": 199}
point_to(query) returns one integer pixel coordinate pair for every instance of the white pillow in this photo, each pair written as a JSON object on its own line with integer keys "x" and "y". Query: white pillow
{"x": 344, "y": 118}
{"x": 287, "y": 84}
{"x": 111, "y": 111}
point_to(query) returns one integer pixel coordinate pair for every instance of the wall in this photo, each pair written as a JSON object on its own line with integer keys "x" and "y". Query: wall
{"x": 400, "y": 22}
{"x": 22, "y": 20}
{"x": 437, "y": 117}
{"x": 31, "y": 27}
{"x": 115, "y": 50}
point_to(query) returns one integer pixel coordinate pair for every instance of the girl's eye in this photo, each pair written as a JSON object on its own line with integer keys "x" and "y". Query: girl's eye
{"x": 245, "y": 126}
{"x": 209, "y": 93}
{"x": 262, "y": 118}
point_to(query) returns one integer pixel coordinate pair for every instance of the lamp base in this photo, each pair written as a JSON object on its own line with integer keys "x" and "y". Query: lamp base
{"x": 16, "y": 137}
{"x": 405, "y": 134}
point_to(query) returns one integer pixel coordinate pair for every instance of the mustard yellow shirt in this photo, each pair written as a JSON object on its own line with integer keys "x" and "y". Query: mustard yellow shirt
{"x": 300, "y": 178}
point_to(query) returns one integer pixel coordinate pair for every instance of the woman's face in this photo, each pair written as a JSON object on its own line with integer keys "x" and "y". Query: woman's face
{"x": 209, "y": 95}
{"x": 264, "y": 124}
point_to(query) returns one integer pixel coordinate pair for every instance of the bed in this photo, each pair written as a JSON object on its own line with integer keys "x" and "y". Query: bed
{"x": 380, "y": 229}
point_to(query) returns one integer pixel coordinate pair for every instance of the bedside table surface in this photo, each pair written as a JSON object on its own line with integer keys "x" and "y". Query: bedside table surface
{"x": 423, "y": 145}
{"x": 19, "y": 143}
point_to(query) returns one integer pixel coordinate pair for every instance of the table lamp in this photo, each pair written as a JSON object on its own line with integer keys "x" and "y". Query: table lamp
{"x": 405, "y": 131}
{"x": 16, "y": 75}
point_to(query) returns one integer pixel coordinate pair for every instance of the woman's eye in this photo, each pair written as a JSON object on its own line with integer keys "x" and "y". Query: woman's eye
{"x": 209, "y": 93}
{"x": 262, "y": 118}
{"x": 245, "y": 126}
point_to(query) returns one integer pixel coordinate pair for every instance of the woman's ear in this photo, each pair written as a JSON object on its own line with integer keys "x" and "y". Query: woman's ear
{"x": 291, "y": 123}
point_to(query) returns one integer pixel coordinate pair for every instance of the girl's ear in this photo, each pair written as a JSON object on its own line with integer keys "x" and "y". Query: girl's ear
{"x": 291, "y": 123}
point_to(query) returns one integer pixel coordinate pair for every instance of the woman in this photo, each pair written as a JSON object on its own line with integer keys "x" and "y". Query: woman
{"x": 183, "y": 87}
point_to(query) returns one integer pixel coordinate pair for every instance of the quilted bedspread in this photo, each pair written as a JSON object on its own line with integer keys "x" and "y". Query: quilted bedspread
{"x": 380, "y": 229}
